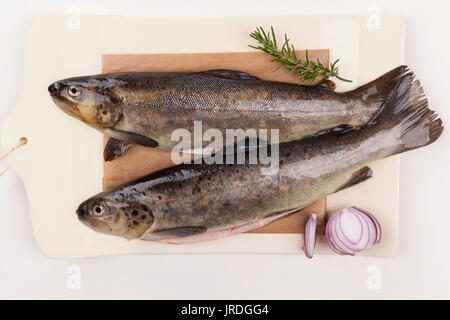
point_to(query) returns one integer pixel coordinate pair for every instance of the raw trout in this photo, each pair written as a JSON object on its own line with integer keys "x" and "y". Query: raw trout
{"x": 189, "y": 202}
{"x": 145, "y": 108}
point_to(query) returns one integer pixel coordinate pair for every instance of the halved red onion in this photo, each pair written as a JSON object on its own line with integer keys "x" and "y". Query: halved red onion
{"x": 309, "y": 241}
{"x": 352, "y": 230}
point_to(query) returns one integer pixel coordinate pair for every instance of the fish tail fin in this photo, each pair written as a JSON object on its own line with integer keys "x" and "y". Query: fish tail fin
{"x": 374, "y": 93}
{"x": 405, "y": 114}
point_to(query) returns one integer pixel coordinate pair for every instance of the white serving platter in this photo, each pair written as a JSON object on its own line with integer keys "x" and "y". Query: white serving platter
{"x": 62, "y": 163}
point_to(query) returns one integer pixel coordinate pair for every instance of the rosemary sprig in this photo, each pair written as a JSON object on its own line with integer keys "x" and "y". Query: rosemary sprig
{"x": 307, "y": 70}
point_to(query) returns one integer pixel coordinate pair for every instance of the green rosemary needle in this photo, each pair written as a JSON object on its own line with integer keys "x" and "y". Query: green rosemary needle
{"x": 306, "y": 70}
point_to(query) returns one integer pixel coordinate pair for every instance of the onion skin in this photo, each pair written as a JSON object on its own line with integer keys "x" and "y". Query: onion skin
{"x": 309, "y": 235}
{"x": 339, "y": 237}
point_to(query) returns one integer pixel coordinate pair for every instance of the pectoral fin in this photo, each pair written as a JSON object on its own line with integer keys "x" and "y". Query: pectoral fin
{"x": 132, "y": 137}
{"x": 181, "y": 231}
{"x": 115, "y": 149}
{"x": 359, "y": 176}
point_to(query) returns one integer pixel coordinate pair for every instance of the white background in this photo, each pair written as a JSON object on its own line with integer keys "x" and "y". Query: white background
{"x": 420, "y": 270}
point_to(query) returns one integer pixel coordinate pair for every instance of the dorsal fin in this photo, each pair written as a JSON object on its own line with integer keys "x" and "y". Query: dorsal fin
{"x": 231, "y": 74}
{"x": 328, "y": 84}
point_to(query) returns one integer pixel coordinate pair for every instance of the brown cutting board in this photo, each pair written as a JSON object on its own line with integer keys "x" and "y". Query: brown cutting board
{"x": 141, "y": 160}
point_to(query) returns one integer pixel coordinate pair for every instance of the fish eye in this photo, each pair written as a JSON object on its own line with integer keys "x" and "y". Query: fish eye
{"x": 74, "y": 91}
{"x": 98, "y": 210}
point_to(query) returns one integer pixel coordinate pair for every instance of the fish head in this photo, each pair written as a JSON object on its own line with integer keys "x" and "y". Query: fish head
{"x": 117, "y": 218}
{"x": 92, "y": 100}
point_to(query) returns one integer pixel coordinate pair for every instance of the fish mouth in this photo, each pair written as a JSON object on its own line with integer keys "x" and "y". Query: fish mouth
{"x": 72, "y": 110}
{"x": 65, "y": 106}
{"x": 95, "y": 224}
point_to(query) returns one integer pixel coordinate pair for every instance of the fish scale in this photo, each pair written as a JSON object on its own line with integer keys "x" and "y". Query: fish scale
{"x": 286, "y": 107}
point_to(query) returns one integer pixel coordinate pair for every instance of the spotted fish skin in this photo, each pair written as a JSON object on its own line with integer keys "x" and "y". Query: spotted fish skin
{"x": 189, "y": 200}
{"x": 145, "y": 108}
